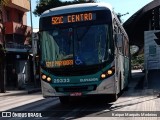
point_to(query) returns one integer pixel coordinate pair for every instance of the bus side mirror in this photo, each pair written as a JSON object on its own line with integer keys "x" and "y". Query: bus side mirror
{"x": 118, "y": 40}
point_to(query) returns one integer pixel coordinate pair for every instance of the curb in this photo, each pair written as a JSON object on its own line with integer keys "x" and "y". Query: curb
{"x": 20, "y": 92}
{"x": 12, "y": 93}
{"x": 34, "y": 90}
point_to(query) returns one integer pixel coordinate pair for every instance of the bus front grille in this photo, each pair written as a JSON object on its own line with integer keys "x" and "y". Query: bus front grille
{"x": 76, "y": 88}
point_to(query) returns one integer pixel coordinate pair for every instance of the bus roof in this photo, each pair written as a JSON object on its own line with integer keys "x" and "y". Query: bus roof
{"x": 76, "y": 8}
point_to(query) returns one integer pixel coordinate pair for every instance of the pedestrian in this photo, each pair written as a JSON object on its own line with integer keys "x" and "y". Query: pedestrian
{"x": 14, "y": 78}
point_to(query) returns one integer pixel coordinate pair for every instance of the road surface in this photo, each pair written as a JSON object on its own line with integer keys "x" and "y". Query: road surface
{"x": 131, "y": 105}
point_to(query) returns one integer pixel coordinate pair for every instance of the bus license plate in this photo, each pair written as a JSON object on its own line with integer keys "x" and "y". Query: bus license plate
{"x": 76, "y": 94}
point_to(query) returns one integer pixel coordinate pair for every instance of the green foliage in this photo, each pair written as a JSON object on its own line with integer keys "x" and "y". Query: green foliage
{"x": 43, "y": 5}
{"x": 137, "y": 61}
{"x": 4, "y": 2}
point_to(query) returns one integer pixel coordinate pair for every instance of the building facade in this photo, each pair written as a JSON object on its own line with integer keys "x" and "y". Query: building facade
{"x": 152, "y": 50}
{"x": 16, "y": 40}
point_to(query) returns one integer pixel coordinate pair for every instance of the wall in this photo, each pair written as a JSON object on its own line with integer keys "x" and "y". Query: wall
{"x": 21, "y": 4}
{"x": 152, "y": 49}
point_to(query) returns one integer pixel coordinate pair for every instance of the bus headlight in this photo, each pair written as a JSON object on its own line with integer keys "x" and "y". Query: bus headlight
{"x": 49, "y": 79}
{"x": 44, "y": 77}
{"x": 108, "y": 73}
{"x": 103, "y": 76}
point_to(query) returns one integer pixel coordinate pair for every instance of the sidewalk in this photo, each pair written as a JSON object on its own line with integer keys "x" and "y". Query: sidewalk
{"x": 27, "y": 90}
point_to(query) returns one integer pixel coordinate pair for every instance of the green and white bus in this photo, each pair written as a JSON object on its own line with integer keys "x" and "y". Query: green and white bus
{"x": 84, "y": 50}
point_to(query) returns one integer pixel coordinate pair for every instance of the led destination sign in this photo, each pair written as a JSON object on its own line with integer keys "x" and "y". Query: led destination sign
{"x": 50, "y": 64}
{"x": 71, "y": 18}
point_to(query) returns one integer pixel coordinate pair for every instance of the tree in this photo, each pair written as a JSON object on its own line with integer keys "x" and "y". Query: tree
{"x": 43, "y": 5}
{"x": 2, "y": 47}
{"x": 4, "y": 2}
{"x": 137, "y": 61}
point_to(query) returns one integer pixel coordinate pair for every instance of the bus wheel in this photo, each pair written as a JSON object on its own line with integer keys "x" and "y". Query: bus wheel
{"x": 120, "y": 85}
{"x": 114, "y": 97}
{"x": 64, "y": 99}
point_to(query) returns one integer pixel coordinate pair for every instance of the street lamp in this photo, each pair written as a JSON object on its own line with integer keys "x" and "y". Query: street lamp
{"x": 119, "y": 15}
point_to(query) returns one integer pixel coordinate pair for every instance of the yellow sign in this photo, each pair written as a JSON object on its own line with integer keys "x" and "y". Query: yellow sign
{"x": 59, "y": 63}
{"x": 73, "y": 18}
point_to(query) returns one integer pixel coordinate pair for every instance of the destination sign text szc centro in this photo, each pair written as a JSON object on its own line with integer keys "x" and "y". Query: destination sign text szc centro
{"x": 82, "y": 17}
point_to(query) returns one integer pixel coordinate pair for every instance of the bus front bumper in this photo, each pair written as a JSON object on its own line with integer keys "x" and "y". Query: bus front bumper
{"x": 107, "y": 86}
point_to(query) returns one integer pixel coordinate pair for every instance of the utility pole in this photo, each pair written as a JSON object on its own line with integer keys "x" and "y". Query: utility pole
{"x": 33, "y": 48}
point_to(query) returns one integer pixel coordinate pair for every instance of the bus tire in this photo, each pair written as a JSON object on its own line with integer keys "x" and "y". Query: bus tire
{"x": 64, "y": 99}
{"x": 114, "y": 97}
{"x": 128, "y": 80}
{"x": 120, "y": 84}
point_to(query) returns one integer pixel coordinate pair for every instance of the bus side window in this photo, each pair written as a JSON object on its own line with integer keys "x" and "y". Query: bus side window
{"x": 115, "y": 29}
{"x": 119, "y": 43}
{"x": 126, "y": 47}
{"x": 121, "y": 49}
{"x": 123, "y": 46}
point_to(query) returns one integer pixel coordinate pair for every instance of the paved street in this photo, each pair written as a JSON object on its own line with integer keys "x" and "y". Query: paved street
{"x": 21, "y": 101}
{"x": 135, "y": 99}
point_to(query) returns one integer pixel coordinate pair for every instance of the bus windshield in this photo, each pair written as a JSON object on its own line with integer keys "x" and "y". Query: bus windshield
{"x": 75, "y": 46}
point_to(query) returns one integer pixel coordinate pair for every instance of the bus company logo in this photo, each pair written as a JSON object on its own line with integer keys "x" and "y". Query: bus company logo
{"x": 89, "y": 80}
{"x": 6, "y": 114}
{"x": 20, "y": 115}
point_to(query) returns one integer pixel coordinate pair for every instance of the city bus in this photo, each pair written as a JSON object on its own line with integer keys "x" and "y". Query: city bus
{"x": 84, "y": 51}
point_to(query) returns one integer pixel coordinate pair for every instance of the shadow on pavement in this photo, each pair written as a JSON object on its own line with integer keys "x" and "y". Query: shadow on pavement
{"x": 154, "y": 79}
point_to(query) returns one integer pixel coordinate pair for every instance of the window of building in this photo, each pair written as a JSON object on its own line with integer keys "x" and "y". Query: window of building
{"x": 152, "y": 50}
{"x": 20, "y": 17}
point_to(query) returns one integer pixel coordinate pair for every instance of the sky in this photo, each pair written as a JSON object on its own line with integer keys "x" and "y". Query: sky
{"x": 119, "y": 6}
